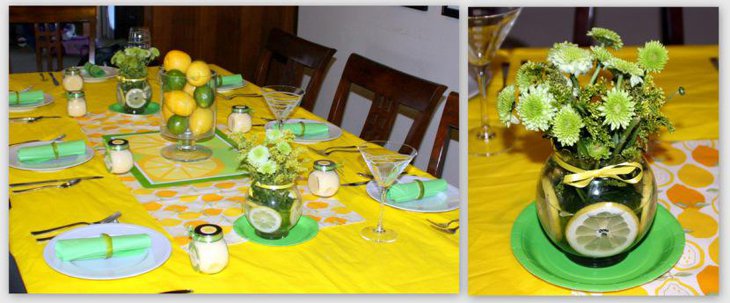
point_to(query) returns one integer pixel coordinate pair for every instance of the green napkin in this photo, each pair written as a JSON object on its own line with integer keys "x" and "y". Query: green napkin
{"x": 310, "y": 129}
{"x": 411, "y": 191}
{"x": 98, "y": 247}
{"x": 29, "y": 97}
{"x": 236, "y": 80}
{"x": 94, "y": 70}
{"x": 46, "y": 152}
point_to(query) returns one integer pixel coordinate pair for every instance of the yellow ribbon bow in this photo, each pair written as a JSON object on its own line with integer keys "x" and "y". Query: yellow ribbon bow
{"x": 581, "y": 178}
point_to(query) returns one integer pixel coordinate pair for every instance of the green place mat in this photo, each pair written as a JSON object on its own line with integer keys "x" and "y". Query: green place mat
{"x": 151, "y": 109}
{"x": 305, "y": 230}
{"x": 154, "y": 171}
{"x": 656, "y": 254}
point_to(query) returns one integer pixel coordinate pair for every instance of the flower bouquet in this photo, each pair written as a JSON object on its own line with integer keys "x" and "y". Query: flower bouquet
{"x": 596, "y": 197}
{"x": 273, "y": 206}
{"x": 134, "y": 92}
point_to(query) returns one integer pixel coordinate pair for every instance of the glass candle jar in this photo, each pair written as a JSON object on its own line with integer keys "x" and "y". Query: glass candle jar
{"x": 76, "y": 106}
{"x": 72, "y": 80}
{"x": 208, "y": 250}
{"x": 118, "y": 157}
{"x": 240, "y": 119}
{"x": 323, "y": 180}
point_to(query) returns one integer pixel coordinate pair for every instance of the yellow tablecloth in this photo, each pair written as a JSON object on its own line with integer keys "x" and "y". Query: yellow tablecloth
{"x": 496, "y": 198}
{"x": 337, "y": 260}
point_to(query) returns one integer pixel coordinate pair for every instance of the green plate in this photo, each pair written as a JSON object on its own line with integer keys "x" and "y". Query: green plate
{"x": 656, "y": 254}
{"x": 151, "y": 109}
{"x": 305, "y": 230}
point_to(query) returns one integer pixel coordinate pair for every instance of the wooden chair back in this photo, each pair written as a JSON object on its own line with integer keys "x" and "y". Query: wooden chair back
{"x": 48, "y": 46}
{"x": 394, "y": 91}
{"x": 448, "y": 127}
{"x": 296, "y": 54}
{"x": 671, "y": 19}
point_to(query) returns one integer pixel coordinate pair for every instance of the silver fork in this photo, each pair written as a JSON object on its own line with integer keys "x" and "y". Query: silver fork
{"x": 111, "y": 218}
{"x": 450, "y": 231}
{"x": 62, "y": 185}
{"x": 230, "y": 97}
{"x": 32, "y": 119}
{"x": 333, "y": 149}
{"x": 443, "y": 225}
{"x": 30, "y": 141}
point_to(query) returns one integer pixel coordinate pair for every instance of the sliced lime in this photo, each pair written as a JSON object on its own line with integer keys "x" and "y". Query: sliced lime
{"x": 136, "y": 98}
{"x": 602, "y": 230}
{"x": 264, "y": 219}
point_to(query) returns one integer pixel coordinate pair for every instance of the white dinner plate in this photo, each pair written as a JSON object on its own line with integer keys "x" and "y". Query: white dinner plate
{"x": 442, "y": 202}
{"x": 334, "y": 131}
{"x": 17, "y": 108}
{"x": 228, "y": 88}
{"x": 115, "y": 267}
{"x": 48, "y": 166}
{"x": 110, "y": 72}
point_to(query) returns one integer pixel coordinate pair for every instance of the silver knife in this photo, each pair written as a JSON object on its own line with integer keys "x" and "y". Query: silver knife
{"x": 32, "y": 119}
{"x": 53, "y": 181}
{"x": 55, "y": 82}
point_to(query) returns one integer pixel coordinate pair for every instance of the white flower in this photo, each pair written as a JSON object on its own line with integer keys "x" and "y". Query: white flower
{"x": 571, "y": 59}
{"x": 536, "y": 108}
{"x": 258, "y": 155}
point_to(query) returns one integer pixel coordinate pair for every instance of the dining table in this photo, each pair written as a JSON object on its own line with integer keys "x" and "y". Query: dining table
{"x": 337, "y": 260}
{"x": 685, "y": 163}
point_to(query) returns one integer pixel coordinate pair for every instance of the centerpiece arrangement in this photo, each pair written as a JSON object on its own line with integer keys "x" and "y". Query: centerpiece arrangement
{"x": 134, "y": 92}
{"x": 274, "y": 205}
{"x": 596, "y": 197}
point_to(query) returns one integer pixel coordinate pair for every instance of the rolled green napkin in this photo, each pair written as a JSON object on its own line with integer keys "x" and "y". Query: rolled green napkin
{"x": 46, "y": 152}
{"x": 236, "y": 80}
{"x": 99, "y": 247}
{"x": 309, "y": 129}
{"x": 412, "y": 191}
{"x": 94, "y": 70}
{"x": 29, "y": 97}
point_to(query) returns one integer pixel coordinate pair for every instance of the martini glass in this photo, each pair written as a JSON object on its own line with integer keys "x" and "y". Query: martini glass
{"x": 282, "y": 100}
{"x": 488, "y": 27}
{"x": 386, "y": 161}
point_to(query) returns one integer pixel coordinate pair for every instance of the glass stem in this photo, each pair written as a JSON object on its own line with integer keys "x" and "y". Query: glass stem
{"x": 483, "y": 78}
{"x": 185, "y": 144}
{"x": 383, "y": 196}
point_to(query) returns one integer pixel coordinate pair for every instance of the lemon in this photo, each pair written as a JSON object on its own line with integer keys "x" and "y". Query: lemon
{"x": 647, "y": 207}
{"x": 198, "y": 73}
{"x": 295, "y": 213}
{"x": 189, "y": 89}
{"x": 166, "y": 113}
{"x": 551, "y": 209}
{"x": 176, "y": 60}
{"x": 264, "y": 219}
{"x": 179, "y": 103}
{"x": 602, "y": 229}
{"x": 201, "y": 121}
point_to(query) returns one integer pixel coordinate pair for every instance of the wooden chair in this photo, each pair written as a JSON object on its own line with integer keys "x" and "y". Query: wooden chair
{"x": 394, "y": 91}
{"x": 671, "y": 19}
{"x": 296, "y": 54}
{"x": 448, "y": 127}
{"x": 48, "y": 43}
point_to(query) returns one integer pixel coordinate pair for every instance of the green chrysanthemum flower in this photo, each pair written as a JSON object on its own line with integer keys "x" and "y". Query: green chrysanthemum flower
{"x": 268, "y": 167}
{"x": 273, "y": 135}
{"x": 653, "y": 56}
{"x": 606, "y": 37}
{"x": 528, "y": 74}
{"x": 601, "y": 54}
{"x": 567, "y": 125}
{"x": 258, "y": 155}
{"x": 505, "y": 103}
{"x": 536, "y": 108}
{"x": 571, "y": 59}
{"x": 283, "y": 147}
{"x": 625, "y": 67}
{"x": 617, "y": 108}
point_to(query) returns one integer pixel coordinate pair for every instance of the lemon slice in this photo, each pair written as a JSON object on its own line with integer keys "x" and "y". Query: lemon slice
{"x": 264, "y": 219}
{"x": 135, "y": 98}
{"x": 296, "y": 212}
{"x": 646, "y": 205}
{"x": 603, "y": 229}
{"x": 552, "y": 209}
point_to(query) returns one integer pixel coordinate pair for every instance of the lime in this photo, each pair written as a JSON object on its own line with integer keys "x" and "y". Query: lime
{"x": 602, "y": 230}
{"x": 204, "y": 96}
{"x": 177, "y": 124}
{"x": 264, "y": 219}
{"x": 175, "y": 80}
{"x": 135, "y": 98}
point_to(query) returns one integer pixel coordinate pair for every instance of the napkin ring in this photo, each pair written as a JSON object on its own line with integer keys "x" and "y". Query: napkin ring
{"x": 54, "y": 146}
{"x": 421, "y": 189}
{"x": 303, "y": 126}
{"x": 109, "y": 246}
{"x": 17, "y": 96}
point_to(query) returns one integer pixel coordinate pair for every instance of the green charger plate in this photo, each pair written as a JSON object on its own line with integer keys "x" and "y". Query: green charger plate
{"x": 304, "y": 231}
{"x": 151, "y": 109}
{"x": 656, "y": 254}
